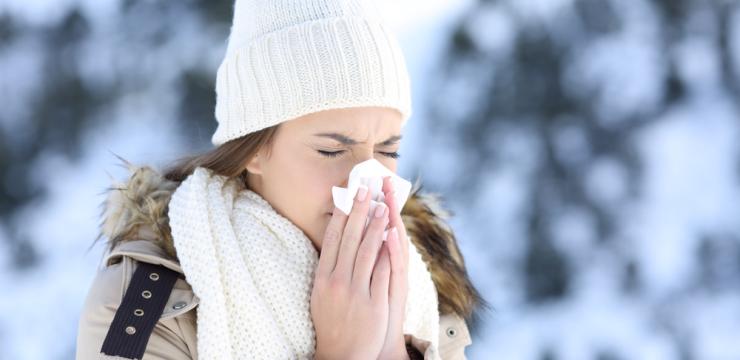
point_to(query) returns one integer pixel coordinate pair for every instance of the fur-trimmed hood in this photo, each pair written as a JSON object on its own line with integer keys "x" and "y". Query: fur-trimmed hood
{"x": 136, "y": 209}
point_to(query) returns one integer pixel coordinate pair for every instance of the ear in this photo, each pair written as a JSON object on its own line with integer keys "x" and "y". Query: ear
{"x": 254, "y": 166}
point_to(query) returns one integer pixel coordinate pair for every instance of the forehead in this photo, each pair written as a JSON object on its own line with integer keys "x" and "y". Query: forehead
{"x": 357, "y": 120}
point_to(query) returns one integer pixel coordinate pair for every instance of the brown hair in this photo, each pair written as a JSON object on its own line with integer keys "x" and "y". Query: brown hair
{"x": 228, "y": 159}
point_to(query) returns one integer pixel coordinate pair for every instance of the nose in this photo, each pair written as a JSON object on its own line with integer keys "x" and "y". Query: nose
{"x": 358, "y": 156}
{"x": 362, "y": 154}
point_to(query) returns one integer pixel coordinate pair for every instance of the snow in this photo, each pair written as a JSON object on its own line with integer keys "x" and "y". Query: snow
{"x": 54, "y": 292}
{"x": 492, "y": 29}
{"x": 690, "y": 187}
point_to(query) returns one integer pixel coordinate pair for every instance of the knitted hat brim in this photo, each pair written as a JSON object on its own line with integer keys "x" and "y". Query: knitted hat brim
{"x": 317, "y": 65}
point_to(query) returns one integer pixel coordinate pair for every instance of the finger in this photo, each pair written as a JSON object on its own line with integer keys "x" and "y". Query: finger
{"x": 330, "y": 243}
{"x": 388, "y": 194}
{"x": 390, "y": 200}
{"x": 399, "y": 272}
{"x": 352, "y": 235}
{"x": 381, "y": 276}
{"x": 395, "y": 218}
{"x": 398, "y": 287}
{"x": 368, "y": 251}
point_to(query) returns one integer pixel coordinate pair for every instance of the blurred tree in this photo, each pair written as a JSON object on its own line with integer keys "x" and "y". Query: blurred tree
{"x": 556, "y": 95}
{"x": 55, "y": 118}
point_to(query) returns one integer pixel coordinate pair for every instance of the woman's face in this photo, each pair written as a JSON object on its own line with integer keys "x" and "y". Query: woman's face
{"x": 314, "y": 152}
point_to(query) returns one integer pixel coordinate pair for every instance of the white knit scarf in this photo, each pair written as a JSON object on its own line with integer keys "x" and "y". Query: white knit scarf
{"x": 253, "y": 271}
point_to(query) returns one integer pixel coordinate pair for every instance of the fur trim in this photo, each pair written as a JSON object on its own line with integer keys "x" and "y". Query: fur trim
{"x": 425, "y": 219}
{"x": 137, "y": 210}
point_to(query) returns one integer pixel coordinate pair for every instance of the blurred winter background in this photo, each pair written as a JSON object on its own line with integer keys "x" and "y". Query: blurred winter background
{"x": 588, "y": 148}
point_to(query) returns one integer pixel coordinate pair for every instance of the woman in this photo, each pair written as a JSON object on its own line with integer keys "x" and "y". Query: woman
{"x": 258, "y": 261}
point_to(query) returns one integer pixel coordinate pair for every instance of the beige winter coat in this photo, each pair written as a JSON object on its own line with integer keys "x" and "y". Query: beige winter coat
{"x": 135, "y": 225}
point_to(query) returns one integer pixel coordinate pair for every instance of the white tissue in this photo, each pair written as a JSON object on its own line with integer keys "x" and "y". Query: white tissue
{"x": 370, "y": 173}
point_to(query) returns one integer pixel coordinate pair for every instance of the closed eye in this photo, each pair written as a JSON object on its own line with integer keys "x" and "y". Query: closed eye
{"x": 393, "y": 155}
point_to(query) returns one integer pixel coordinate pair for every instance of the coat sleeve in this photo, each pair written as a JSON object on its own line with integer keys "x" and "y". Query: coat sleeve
{"x": 102, "y": 301}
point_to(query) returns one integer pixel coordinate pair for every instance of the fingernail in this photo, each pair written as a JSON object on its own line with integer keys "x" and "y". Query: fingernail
{"x": 379, "y": 210}
{"x": 362, "y": 193}
{"x": 393, "y": 233}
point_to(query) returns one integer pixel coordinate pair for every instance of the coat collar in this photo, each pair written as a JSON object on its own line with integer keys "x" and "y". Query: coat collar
{"x": 134, "y": 222}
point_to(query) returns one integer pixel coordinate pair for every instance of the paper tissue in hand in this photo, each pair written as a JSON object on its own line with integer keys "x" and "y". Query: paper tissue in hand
{"x": 370, "y": 173}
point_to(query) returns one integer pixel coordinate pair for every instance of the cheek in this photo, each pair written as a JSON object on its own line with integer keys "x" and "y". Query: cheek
{"x": 315, "y": 181}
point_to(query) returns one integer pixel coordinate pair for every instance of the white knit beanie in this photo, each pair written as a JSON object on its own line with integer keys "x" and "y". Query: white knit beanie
{"x": 287, "y": 58}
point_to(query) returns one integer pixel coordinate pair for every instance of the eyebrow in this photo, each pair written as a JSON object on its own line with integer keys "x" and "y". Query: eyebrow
{"x": 349, "y": 141}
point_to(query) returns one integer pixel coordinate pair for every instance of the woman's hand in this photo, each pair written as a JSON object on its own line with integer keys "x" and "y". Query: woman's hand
{"x": 394, "y": 346}
{"x": 349, "y": 300}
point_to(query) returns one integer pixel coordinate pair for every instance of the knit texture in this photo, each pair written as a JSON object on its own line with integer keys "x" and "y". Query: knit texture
{"x": 253, "y": 271}
{"x": 288, "y": 58}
